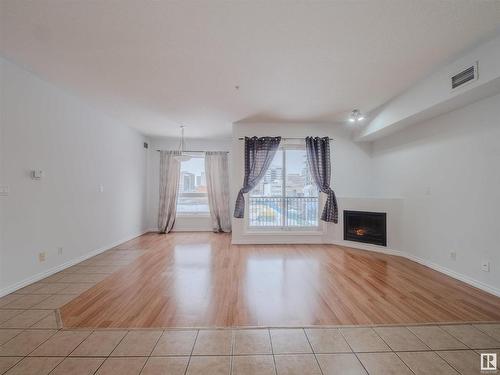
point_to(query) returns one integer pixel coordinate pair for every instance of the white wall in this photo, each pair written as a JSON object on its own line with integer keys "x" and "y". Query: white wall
{"x": 448, "y": 171}
{"x": 193, "y": 223}
{"x": 351, "y": 172}
{"x": 78, "y": 149}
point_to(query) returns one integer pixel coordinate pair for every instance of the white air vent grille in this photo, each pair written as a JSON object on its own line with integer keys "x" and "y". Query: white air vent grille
{"x": 466, "y": 75}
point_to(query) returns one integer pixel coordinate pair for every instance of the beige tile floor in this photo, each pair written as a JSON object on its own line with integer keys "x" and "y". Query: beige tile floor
{"x": 260, "y": 351}
{"x": 32, "y": 341}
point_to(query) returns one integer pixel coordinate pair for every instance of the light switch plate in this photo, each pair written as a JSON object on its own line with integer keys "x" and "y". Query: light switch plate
{"x": 4, "y": 190}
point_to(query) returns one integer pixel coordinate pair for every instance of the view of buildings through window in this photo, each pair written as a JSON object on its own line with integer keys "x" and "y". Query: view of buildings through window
{"x": 286, "y": 197}
{"x": 193, "y": 197}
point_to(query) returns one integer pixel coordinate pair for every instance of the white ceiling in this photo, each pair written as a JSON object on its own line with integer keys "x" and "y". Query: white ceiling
{"x": 157, "y": 64}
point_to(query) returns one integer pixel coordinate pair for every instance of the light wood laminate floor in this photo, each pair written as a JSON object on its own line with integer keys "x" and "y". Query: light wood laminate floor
{"x": 201, "y": 280}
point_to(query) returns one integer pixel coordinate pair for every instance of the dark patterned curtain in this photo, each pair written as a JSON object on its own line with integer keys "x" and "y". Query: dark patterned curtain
{"x": 318, "y": 157}
{"x": 259, "y": 153}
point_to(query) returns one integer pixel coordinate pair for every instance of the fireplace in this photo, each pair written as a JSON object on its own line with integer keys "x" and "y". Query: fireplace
{"x": 367, "y": 227}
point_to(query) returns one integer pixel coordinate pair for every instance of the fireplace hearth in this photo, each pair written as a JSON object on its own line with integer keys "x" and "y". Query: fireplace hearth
{"x": 366, "y": 227}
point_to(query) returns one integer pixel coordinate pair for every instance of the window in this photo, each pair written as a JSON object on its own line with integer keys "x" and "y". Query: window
{"x": 193, "y": 198}
{"x": 286, "y": 198}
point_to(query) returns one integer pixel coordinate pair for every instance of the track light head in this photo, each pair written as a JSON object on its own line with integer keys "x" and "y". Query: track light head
{"x": 356, "y": 116}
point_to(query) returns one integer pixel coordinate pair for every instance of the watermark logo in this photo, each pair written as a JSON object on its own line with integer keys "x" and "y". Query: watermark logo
{"x": 488, "y": 361}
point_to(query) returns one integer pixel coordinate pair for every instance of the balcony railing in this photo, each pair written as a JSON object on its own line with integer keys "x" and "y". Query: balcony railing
{"x": 189, "y": 203}
{"x": 283, "y": 212}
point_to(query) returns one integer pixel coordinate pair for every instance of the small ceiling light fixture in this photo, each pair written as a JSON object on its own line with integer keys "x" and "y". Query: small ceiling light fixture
{"x": 182, "y": 147}
{"x": 356, "y": 116}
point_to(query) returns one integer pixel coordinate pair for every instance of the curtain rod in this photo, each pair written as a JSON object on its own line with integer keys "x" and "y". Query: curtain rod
{"x": 303, "y": 138}
{"x": 193, "y": 151}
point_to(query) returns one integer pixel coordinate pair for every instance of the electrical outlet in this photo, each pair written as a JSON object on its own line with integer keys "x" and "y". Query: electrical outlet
{"x": 59, "y": 251}
{"x": 485, "y": 266}
{"x": 42, "y": 256}
{"x": 101, "y": 188}
{"x": 453, "y": 255}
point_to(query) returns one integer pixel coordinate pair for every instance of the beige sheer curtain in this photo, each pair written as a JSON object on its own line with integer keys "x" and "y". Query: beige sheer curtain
{"x": 216, "y": 168}
{"x": 169, "y": 186}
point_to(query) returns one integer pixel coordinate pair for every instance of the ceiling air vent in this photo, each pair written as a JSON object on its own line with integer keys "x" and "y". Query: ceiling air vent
{"x": 466, "y": 75}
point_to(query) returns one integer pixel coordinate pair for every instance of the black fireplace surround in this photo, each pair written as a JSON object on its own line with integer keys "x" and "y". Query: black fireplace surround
{"x": 367, "y": 227}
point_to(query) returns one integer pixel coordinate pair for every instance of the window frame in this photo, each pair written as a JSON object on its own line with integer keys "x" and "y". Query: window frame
{"x": 181, "y": 214}
{"x": 307, "y": 230}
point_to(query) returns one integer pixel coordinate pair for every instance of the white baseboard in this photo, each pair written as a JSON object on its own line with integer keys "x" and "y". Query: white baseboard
{"x": 456, "y": 275}
{"x": 155, "y": 230}
{"x": 363, "y": 246}
{"x": 268, "y": 241}
{"x": 192, "y": 229}
{"x": 384, "y": 250}
{"x": 449, "y": 272}
{"x": 39, "y": 276}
